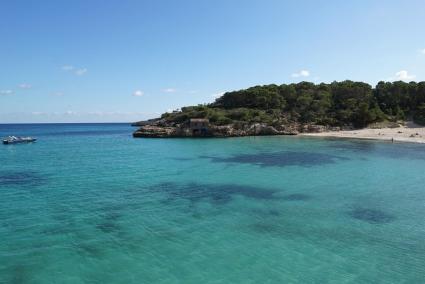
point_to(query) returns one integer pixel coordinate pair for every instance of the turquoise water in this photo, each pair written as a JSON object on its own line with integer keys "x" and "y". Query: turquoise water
{"x": 90, "y": 204}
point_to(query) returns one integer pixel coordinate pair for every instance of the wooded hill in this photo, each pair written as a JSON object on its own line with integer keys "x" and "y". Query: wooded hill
{"x": 345, "y": 103}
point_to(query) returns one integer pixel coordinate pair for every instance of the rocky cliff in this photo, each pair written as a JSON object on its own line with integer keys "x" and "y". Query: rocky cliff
{"x": 161, "y": 129}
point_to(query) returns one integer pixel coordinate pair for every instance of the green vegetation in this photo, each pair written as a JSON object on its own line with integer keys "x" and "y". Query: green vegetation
{"x": 336, "y": 104}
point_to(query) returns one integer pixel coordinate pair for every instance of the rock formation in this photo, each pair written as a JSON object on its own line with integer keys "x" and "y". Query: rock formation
{"x": 159, "y": 128}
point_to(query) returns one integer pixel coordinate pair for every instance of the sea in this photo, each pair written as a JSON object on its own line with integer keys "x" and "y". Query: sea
{"x": 87, "y": 203}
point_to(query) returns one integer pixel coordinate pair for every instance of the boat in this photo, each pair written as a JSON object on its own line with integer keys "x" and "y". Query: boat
{"x": 16, "y": 140}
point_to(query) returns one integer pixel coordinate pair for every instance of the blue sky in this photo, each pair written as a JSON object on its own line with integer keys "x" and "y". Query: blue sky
{"x": 110, "y": 61}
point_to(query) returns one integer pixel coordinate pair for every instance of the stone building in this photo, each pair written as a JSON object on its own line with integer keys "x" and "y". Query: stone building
{"x": 199, "y": 126}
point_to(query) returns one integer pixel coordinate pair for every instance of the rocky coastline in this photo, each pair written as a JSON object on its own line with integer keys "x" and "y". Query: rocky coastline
{"x": 160, "y": 128}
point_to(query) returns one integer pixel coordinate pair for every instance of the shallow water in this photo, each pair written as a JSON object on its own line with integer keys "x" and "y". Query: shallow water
{"x": 88, "y": 203}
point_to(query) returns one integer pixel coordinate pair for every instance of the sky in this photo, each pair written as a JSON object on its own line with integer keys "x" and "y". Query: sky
{"x": 123, "y": 61}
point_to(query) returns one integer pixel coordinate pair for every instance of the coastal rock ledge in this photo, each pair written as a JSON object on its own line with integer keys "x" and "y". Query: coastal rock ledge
{"x": 202, "y": 128}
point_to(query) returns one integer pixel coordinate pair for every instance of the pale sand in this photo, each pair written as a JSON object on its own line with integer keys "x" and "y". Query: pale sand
{"x": 408, "y": 133}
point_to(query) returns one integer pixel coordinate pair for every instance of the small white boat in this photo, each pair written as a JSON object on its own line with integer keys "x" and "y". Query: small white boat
{"x": 16, "y": 140}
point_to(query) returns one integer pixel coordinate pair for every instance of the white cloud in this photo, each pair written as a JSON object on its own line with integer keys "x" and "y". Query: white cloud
{"x": 302, "y": 73}
{"x": 70, "y": 112}
{"x": 138, "y": 93}
{"x": 75, "y": 70}
{"x": 25, "y": 86}
{"x": 6, "y": 92}
{"x": 80, "y": 72}
{"x": 57, "y": 94}
{"x": 169, "y": 90}
{"x": 217, "y": 95}
{"x": 422, "y": 51}
{"x": 402, "y": 75}
{"x": 67, "y": 68}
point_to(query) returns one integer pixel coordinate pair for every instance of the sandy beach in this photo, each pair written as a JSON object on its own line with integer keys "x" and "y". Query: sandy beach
{"x": 410, "y": 132}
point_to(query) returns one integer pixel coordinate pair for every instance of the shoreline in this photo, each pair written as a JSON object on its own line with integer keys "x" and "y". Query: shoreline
{"x": 390, "y": 132}
{"x": 411, "y": 133}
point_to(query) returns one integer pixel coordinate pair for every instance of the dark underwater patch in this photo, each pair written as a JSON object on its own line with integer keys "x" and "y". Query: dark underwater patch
{"x": 216, "y": 194}
{"x": 279, "y": 159}
{"x": 112, "y": 212}
{"x": 112, "y": 216}
{"x": 296, "y": 197}
{"x": 264, "y": 228}
{"x": 372, "y": 216}
{"x": 266, "y": 213}
{"x": 20, "y": 274}
{"x": 273, "y": 212}
{"x": 87, "y": 249}
{"x": 380, "y": 148}
{"x": 364, "y": 146}
{"x": 109, "y": 214}
{"x": 182, "y": 159}
{"x": 19, "y": 178}
{"x": 108, "y": 227}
